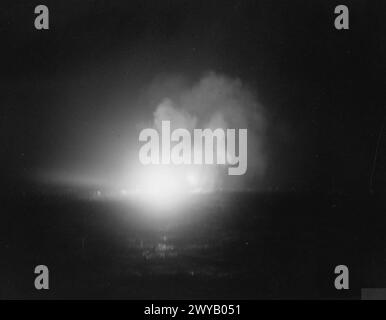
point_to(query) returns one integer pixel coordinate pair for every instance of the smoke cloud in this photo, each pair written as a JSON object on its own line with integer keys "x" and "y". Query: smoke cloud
{"x": 218, "y": 101}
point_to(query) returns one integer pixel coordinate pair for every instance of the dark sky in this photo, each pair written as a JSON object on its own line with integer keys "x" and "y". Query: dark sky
{"x": 70, "y": 96}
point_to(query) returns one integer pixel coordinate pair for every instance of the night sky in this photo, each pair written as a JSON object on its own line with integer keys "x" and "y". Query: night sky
{"x": 72, "y": 96}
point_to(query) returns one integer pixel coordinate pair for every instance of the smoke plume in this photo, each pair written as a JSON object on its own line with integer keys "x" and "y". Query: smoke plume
{"x": 218, "y": 101}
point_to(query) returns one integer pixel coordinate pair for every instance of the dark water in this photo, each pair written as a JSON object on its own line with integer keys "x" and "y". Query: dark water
{"x": 240, "y": 245}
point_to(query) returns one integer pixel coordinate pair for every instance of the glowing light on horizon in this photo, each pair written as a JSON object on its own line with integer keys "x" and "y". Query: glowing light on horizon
{"x": 164, "y": 187}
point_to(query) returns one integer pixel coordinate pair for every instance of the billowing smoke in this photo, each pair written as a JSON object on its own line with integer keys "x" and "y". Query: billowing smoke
{"x": 218, "y": 101}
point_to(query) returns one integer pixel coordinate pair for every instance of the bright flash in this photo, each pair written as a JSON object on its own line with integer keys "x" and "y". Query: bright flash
{"x": 165, "y": 187}
{"x": 160, "y": 187}
{"x": 192, "y": 179}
